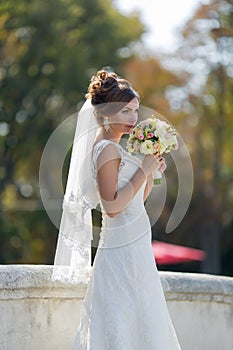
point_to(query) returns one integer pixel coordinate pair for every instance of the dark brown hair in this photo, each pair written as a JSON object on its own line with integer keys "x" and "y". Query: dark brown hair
{"x": 109, "y": 93}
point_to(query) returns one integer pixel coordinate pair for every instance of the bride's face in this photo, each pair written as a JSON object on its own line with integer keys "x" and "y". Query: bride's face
{"x": 124, "y": 120}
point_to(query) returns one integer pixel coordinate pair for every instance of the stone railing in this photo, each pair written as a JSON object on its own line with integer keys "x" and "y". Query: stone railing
{"x": 38, "y": 314}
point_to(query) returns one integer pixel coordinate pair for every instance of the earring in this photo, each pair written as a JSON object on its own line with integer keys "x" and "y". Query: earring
{"x": 106, "y": 124}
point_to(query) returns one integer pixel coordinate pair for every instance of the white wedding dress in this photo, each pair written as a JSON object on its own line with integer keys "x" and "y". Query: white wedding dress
{"x": 124, "y": 307}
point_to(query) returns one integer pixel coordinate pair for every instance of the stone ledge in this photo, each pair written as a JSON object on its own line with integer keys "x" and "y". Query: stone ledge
{"x": 37, "y": 313}
{"x": 34, "y": 281}
{"x": 194, "y": 286}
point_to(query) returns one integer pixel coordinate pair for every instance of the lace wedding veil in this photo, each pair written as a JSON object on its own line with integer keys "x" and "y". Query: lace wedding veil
{"x": 73, "y": 253}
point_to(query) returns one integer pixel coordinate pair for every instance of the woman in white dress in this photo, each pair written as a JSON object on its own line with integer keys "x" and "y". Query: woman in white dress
{"x": 124, "y": 307}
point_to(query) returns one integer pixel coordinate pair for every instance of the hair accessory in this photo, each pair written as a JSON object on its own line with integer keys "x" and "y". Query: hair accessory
{"x": 106, "y": 124}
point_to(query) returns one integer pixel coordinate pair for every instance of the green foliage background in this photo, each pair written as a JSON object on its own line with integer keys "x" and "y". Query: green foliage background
{"x": 48, "y": 53}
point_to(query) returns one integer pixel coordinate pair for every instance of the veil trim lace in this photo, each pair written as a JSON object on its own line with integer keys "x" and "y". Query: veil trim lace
{"x": 73, "y": 253}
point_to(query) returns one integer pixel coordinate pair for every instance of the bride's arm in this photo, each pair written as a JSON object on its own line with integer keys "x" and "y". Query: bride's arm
{"x": 148, "y": 188}
{"x": 150, "y": 180}
{"x": 108, "y": 162}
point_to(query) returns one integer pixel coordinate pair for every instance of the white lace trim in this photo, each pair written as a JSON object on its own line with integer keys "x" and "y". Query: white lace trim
{"x": 67, "y": 274}
{"x": 73, "y": 244}
{"x": 74, "y": 202}
{"x": 98, "y": 148}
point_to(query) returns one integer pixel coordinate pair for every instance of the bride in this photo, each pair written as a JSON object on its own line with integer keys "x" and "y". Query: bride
{"x": 124, "y": 307}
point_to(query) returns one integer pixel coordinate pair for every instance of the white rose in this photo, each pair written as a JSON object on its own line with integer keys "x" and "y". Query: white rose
{"x": 161, "y": 130}
{"x": 146, "y": 147}
{"x": 170, "y": 141}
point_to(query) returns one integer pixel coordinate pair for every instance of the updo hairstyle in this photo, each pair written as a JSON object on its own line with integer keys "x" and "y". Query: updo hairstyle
{"x": 109, "y": 94}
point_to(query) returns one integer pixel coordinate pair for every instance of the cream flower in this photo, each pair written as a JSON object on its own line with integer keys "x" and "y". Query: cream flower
{"x": 171, "y": 141}
{"x": 161, "y": 130}
{"x": 146, "y": 147}
{"x": 130, "y": 147}
{"x": 168, "y": 142}
{"x": 153, "y": 122}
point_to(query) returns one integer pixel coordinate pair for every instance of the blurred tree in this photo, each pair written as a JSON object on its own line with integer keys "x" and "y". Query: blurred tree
{"x": 205, "y": 57}
{"x": 48, "y": 52}
{"x": 151, "y": 80}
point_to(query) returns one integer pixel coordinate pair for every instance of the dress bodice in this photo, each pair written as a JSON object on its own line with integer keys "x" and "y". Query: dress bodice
{"x": 126, "y": 226}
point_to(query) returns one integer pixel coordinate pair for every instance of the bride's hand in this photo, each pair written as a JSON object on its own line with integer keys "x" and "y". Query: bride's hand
{"x": 153, "y": 162}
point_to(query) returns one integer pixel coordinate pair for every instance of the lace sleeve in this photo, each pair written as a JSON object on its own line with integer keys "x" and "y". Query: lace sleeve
{"x": 98, "y": 148}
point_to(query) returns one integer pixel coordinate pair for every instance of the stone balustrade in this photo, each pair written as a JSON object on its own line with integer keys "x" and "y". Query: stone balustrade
{"x": 38, "y": 314}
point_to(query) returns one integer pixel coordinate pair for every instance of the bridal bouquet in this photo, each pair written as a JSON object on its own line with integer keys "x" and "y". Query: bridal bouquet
{"x": 150, "y": 136}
